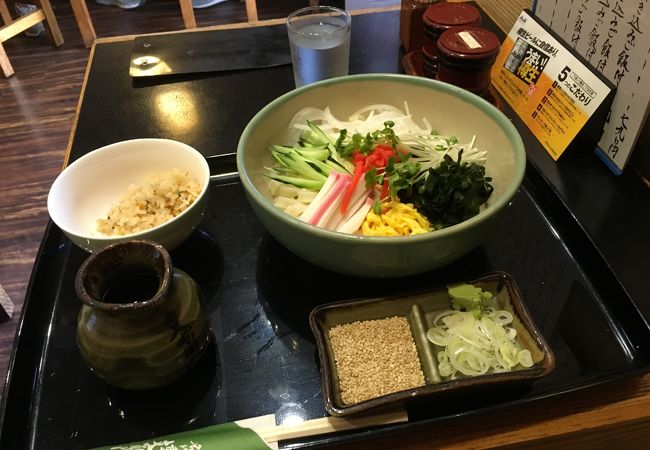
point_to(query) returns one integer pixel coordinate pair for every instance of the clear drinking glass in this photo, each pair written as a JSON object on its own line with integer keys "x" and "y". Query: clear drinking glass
{"x": 319, "y": 37}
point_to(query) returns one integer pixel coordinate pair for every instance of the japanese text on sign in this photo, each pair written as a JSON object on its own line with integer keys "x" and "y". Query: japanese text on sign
{"x": 614, "y": 36}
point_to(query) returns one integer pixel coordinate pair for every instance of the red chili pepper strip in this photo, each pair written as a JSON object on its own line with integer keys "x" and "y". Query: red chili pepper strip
{"x": 374, "y": 160}
{"x": 386, "y": 149}
{"x": 358, "y": 157}
{"x": 356, "y": 176}
{"x": 380, "y": 155}
{"x": 384, "y": 189}
{"x": 378, "y": 159}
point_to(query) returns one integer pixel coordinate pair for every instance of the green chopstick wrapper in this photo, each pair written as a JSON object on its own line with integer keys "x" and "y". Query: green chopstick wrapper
{"x": 236, "y": 435}
{"x": 223, "y": 436}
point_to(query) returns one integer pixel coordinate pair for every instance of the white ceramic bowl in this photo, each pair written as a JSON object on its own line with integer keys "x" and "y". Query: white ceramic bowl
{"x": 449, "y": 109}
{"x": 87, "y": 188}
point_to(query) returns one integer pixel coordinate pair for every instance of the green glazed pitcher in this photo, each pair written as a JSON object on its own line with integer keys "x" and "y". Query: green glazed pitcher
{"x": 142, "y": 324}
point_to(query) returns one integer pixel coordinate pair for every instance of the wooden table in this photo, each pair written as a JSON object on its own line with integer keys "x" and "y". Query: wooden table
{"x": 616, "y": 415}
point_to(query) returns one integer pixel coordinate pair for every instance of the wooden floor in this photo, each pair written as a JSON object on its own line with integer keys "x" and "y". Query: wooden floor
{"x": 37, "y": 107}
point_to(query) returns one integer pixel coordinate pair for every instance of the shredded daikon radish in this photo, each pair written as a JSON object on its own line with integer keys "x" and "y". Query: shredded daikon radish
{"x": 365, "y": 120}
{"x": 476, "y": 346}
{"x": 425, "y": 144}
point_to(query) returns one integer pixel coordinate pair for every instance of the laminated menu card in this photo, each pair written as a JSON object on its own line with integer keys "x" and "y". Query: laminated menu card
{"x": 554, "y": 92}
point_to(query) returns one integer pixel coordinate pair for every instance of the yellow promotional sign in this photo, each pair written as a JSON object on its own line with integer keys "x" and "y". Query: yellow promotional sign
{"x": 551, "y": 90}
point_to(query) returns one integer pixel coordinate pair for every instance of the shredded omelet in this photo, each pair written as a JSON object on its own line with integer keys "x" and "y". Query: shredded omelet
{"x": 397, "y": 219}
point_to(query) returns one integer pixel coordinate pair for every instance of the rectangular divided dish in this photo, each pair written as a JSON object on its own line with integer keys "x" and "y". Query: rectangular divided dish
{"x": 420, "y": 309}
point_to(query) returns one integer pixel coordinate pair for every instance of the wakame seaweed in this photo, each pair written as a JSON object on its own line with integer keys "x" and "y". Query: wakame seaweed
{"x": 450, "y": 193}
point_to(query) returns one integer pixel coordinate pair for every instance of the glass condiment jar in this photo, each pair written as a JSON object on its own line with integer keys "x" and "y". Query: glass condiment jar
{"x": 439, "y": 18}
{"x": 410, "y": 23}
{"x": 465, "y": 58}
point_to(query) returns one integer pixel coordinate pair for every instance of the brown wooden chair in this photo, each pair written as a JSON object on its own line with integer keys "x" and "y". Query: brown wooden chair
{"x": 13, "y": 27}
{"x": 85, "y": 23}
{"x": 190, "y": 22}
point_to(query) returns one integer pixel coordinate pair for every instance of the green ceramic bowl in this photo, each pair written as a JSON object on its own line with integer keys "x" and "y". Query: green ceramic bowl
{"x": 450, "y": 110}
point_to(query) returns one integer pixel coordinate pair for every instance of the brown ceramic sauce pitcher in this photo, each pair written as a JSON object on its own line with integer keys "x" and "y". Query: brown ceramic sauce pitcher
{"x": 142, "y": 324}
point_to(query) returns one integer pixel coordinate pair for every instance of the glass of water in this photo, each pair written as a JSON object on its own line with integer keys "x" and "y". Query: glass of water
{"x": 319, "y": 37}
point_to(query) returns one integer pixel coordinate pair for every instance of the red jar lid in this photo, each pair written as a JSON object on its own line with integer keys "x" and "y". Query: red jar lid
{"x": 442, "y": 16}
{"x": 468, "y": 45}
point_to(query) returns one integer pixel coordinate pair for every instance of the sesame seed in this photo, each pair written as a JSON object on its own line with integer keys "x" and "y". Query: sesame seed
{"x": 375, "y": 358}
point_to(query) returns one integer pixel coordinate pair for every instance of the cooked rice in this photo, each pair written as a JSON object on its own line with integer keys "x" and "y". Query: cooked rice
{"x": 159, "y": 198}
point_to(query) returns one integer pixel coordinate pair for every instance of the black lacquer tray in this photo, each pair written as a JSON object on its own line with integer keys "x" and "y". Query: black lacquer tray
{"x": 263, "y": 357}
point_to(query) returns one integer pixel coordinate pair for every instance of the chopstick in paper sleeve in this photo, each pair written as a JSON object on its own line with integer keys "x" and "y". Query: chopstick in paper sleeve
{"x": 239, "y": 436}
{"x": 329, "y": 425}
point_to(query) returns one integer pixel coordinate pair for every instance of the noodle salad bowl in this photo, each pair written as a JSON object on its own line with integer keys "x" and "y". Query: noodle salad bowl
{"x": 463, "y": 124}
{"x": 88, "y": 192}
